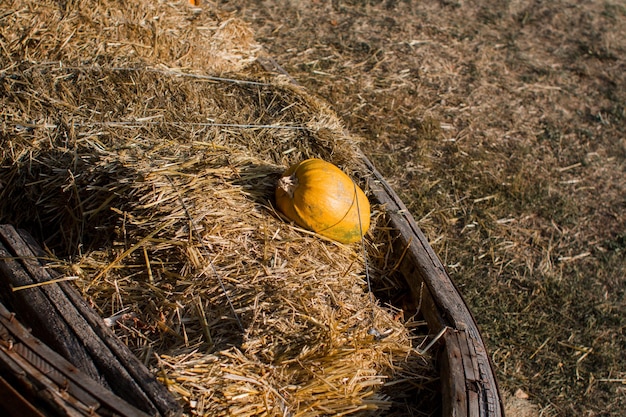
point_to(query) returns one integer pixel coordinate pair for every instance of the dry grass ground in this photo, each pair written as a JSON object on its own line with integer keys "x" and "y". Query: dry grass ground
{"x": 502, "y": 125}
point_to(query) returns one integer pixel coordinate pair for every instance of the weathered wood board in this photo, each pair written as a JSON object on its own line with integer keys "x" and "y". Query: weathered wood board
{"x": 102, "y": 366}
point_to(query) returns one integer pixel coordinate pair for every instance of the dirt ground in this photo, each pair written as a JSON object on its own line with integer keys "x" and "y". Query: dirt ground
{"x": 502, "y": 126}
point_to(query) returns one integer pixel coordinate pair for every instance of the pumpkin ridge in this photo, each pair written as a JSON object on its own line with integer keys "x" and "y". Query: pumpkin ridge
{"x": 345, "y": 215}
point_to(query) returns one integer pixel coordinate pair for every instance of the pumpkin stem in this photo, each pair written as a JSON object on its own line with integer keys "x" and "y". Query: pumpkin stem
{"x": 288, "y": 184}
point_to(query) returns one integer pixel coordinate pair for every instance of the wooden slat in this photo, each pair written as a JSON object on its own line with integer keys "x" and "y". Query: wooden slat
{"x": 61, "y": 305}
{"x": 420, "y": 255}
{"x": 468, "y": 380}
{"x": 54, "y": 306}
{"x": 42, "y": 366}
{"x": 454, "y": 392}
{"x": 472, "y": 375}
{"x": 14, "y": 404}
{"x": 144, "y": 381}
{"x": 33, "y": 304}
{"x": 48, "y": 371}
{"x": 45, "y": 388}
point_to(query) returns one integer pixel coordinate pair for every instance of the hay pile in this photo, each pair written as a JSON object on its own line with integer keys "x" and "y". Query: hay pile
{"x": 142, "y": 144}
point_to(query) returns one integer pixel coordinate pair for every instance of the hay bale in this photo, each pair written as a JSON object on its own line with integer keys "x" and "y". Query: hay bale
{"x": 117, "y": 33}
{"x": 150, "y": 175}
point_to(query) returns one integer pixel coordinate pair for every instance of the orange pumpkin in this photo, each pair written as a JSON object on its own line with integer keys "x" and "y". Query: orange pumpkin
{"x": 319, "y": 196}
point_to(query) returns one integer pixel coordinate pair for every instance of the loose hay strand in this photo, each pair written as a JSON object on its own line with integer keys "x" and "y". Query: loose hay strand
{"x": 38, "y": 284}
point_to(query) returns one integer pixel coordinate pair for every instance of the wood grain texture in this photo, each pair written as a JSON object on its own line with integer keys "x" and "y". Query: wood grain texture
{"x": 63, "y": 319}
{"x": 41, "y": 376}
{"x": 469, "y": 386}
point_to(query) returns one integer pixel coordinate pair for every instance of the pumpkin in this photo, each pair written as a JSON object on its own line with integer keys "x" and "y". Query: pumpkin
{"x": 319, "y": 196}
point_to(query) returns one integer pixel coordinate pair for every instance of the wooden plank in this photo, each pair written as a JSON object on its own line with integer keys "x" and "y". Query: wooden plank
{"x": 43, "y": 387}
{"x": 486, "y": 385}
{"x": 14, "y": 404}
{"x": 467, "y": 374}
{"x": 454, "y": 393}
{"x": 153, "y": 390}
{"x": 35, "y": 308}
{"x": 61, "y": 304}
{"x": 41, "y": 365}
{"x": 472, "y": 376}
{"x": 420, "y": 255}
{"x": 46, "y": 370}
{"x": 104, "y": 360}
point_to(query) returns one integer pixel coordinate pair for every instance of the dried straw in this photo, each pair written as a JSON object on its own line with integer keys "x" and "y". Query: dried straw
{"x": 154, "y": 187}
